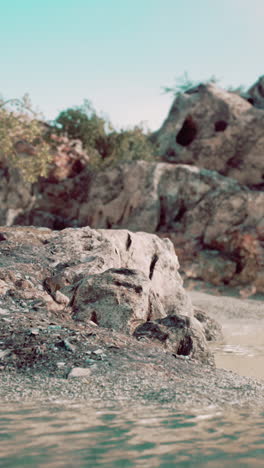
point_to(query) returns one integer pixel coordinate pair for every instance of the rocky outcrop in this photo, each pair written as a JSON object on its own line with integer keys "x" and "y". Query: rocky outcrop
{"x": 215, "y": 224}
{"x": 99, "y": 277}
{"x": 211, "y": 207}
{"x": 217, "y": 130}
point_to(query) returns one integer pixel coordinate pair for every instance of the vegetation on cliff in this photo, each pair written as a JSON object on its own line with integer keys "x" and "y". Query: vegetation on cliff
{"x": 22, "y": 142}
{"x": 27, "y": 143}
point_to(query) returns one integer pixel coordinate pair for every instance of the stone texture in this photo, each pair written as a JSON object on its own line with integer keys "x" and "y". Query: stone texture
{"x": 114, "y": 279}
{"x": 78, "y": 372}
{"x": 215, "y": 224}
{"x": 217, "y": 130}
{"x": 255, "y": 93}
{"x": 182, "y": 336}
{"x": 212, "y": 329}
{"x": 118, "y": 298}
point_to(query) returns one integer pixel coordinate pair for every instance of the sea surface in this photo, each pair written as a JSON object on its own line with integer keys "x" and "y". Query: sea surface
{"x": 81, "y": 435}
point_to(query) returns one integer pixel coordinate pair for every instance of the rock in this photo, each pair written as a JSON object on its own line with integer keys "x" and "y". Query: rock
{"x": 255, "y": 93}
{"x": 215, "y": 224}
{"x": 4, "y": 353}
{"x": 117, "y": 298}
{"x": 61, "y": 298}
{"x": 78, "y": 372}
{"x": 104, "y": 275}
{"x": 67, "y": 345}
{"x": 217, "y": 130}
{"x": 60, "y": 364}
{"x": 212, "y": 329}
{"x": 180, "y": 335}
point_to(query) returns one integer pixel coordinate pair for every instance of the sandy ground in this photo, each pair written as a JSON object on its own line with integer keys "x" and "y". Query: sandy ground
{"x": 243, "y": 324}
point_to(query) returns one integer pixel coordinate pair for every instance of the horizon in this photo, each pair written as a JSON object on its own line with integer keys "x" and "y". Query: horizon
{"x": 119, "y": 54}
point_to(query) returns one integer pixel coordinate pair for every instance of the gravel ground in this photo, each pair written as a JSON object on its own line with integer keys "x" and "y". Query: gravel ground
{"x": 138, "y": 372}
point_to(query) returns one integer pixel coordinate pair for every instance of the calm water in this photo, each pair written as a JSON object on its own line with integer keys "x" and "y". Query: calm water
{"x": 243, "y": 348}
{"x": 76, "y": 435}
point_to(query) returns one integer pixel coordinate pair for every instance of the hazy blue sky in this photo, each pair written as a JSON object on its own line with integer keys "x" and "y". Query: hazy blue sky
{"x": 119, "y": 53}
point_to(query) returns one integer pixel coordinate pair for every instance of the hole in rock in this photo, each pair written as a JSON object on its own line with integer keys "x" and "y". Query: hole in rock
{"x": 220, "y": 125}
{"x": 185, "y": 346}
{"x": 2, "y": 237}
{"x": 94, "y": 318}
{"x": 128, "y": 242}
{"x": 152, "y": 265}
{"x": 187, "y": 133}
{"x": 124, "y": 271}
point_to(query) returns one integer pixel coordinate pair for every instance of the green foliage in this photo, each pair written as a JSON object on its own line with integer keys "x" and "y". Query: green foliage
{"x": 130, "y": 145}
{"x": 83, "y": 123}
{"x": 105, "y": 146}
{"x": 21, "y": 139}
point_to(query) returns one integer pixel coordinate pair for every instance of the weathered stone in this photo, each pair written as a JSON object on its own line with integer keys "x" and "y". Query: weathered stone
{"x": 114, "y": 279}
{"x": 78, "y": 372}
{"x": 179, "y": 334}
{"x": 255, "y": 94}
{"x": 212, "y": 329}
{"x": 215, "y": 129}
{"x": 117, "y": 298}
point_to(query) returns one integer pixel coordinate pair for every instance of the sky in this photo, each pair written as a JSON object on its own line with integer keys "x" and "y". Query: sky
{"x": 120, "y": 53}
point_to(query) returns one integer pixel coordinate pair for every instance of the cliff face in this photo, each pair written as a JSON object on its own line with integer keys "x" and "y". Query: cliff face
{"x": 206, "y": 196}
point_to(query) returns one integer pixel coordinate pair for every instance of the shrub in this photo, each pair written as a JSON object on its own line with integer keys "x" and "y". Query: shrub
{"x": 22, "y": 142}
{"x": 105, "y": 146}
{"x": 83, "y": 123}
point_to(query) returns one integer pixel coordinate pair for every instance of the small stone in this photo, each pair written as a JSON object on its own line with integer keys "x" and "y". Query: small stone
{"x": 93, "y": 324}
{"x": 61, "y": 298}
{"x": 67, "y": 345}
{"x": 60, "y": 364}
{"x": 90, "y": 361}
{"x": 4, "y": 353}
{"x": 76, "y": 372}
{"x": 98, "y": 352}
{"x": 34, "y": 331}
{"x": 3, "y": 311}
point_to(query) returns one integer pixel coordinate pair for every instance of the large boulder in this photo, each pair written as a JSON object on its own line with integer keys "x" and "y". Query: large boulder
{"x": 217, "y": 130}
{"x": 113, "y": 279}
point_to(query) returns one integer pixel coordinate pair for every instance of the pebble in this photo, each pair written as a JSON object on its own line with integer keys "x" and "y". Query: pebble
{"x": 76, "y": 372}
{"x": 3, "y": 311}
{"x": 60, "y": 364}
{"x": 34, "y": 331}
{"x": 4, "y": 353}
{"x": 61, "y": 298}
{"x": 67, "y": 345}
{"x": 98, "y": 352}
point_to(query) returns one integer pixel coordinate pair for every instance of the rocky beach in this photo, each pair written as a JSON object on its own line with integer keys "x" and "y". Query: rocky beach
{"x": 103, "y": 272}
